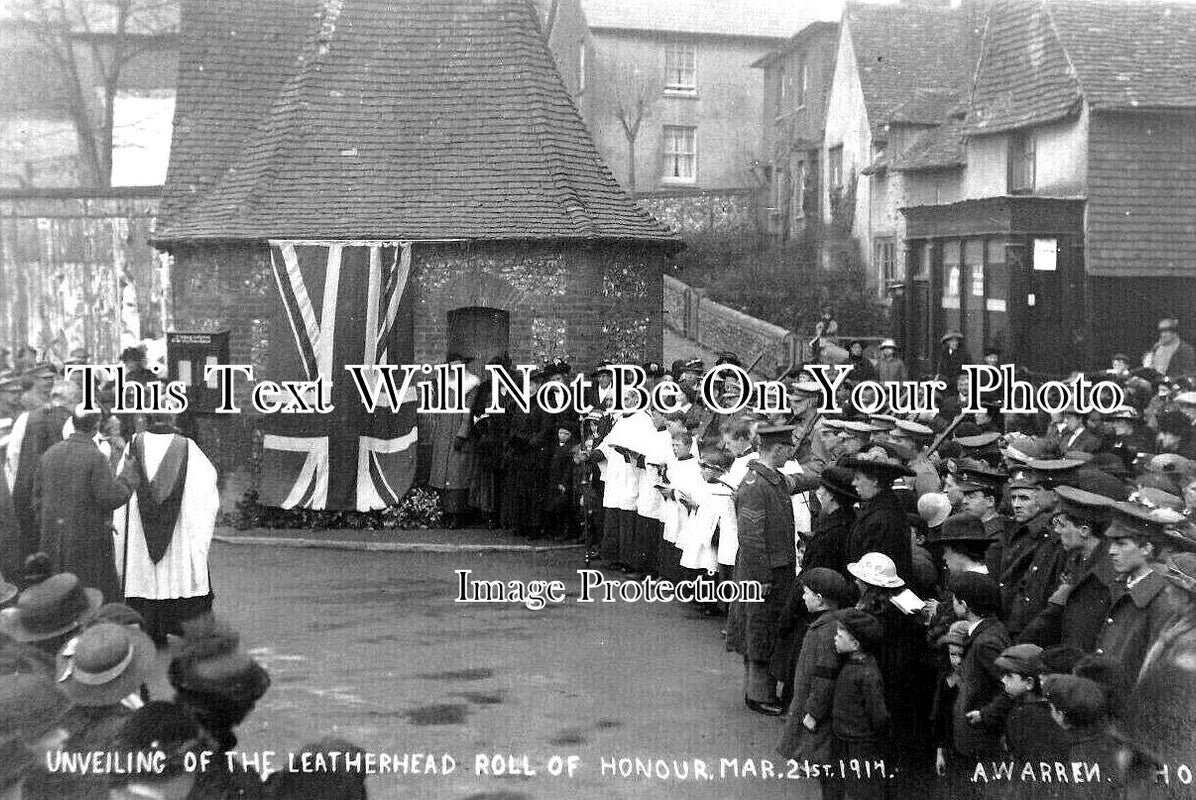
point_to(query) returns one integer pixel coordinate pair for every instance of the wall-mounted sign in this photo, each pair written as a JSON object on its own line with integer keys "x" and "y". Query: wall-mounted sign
{"x": 1046, "y": 255}
{"x": 186, "y": 356}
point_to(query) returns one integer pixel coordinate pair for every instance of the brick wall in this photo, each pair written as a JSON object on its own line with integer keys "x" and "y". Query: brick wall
{"x": 731, "y": 211}
{"x": 584, "y": 302}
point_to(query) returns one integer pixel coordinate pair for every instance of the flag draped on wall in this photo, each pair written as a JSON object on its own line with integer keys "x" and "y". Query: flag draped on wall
{"x": 343, "y": 303}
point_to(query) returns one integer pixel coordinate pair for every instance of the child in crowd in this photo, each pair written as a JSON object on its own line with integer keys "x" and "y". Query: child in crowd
{"x": 1030, "y": 732}
{"x": 860, "y": 719}
{"x": 1080, "y": 708}
{"x": 682, "y": 482}
{"x": 945, "y": 691}
{"x": 712, "y": 522}
{"x": 807, "y": 732}
{"x": 981, "y": 705}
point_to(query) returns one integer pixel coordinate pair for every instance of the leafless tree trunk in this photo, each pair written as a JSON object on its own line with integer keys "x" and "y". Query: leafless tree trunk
{"x": 87, "y": 44}
{"x": 635, "y": 91}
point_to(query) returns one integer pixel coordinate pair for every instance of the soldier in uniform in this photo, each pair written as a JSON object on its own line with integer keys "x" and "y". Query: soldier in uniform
{"x": 768, "y": 555}
{"x": 1032, "y": 556}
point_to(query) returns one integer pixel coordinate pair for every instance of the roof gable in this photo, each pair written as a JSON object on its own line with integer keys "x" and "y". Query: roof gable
{"x": 904, "y": 52}
{"x": 1043, "y": 58}
{"x": 755, "y": 18}
{"x": 359, "y": 119}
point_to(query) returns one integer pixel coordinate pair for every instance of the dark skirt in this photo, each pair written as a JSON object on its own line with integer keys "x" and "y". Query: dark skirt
{"x": 618, "y": 528}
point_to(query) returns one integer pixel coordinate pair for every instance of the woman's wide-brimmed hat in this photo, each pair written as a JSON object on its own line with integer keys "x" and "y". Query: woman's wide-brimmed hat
{"x": 106, "y": 664}
{"x": 876, "y": 569}
{"x": 51, "y": 608}
{"x": 883, "y": 468}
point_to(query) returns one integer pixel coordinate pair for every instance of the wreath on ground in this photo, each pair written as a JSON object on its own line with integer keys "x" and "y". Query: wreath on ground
{"x": 418, "y": 510}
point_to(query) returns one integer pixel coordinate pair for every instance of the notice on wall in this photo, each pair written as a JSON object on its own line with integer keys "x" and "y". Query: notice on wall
{"x": 1046, "y": 255}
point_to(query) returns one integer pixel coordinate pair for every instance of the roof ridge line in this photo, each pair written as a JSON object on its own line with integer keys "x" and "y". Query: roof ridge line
{"x": 1071, "y": 66}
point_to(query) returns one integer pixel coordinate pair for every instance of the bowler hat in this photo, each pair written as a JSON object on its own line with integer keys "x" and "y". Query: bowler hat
{"x": 107, "y": 663}
{"x": 51, "y": 608}
{"x": 213, "y": 666}
{"x": 885, "y": 469}
{"x": 963, "y": 528}
{"x": 876, "y": 569}
{"x": 934, "y": 508}
{"x": 863, "y": 627}
{"x": 1023, "y": 659}
{"x": 828, "y": 583}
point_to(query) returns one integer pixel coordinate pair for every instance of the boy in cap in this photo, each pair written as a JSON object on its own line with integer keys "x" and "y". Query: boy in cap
{"x": 945, "y": 691}
{"x": 1143, "y": 601}
{"x": 807, "y": 732}
{"x": 977, "y": 600}
{"x": 1079, "y": 707}
{"x": 1030, "y": 732}
{"x": 860, "y": 719}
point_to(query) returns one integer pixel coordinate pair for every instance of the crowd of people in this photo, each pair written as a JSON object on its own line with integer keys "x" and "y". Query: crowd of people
{"x": 105, "y": 527}
{"x": 940, "y": 592}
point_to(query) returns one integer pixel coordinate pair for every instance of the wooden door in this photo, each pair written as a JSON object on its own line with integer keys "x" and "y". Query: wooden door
{"x": 482, "y": 333}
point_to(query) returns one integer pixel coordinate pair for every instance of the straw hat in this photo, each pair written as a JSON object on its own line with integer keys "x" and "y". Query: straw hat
{"x": 876, "y": 569}
{"x": 107, "y": 663}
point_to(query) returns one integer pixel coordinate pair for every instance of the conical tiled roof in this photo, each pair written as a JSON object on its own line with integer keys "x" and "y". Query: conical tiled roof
{"x": 381, "y": 119}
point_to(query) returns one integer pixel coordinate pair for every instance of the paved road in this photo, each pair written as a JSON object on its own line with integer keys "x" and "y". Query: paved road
{"x": 372, "y": 648}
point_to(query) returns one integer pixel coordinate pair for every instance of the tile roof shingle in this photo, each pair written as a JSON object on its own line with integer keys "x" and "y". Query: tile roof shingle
{"x": 1044, "y": 58}
{"x": 905, "y": 52}
{"x": 382, "y": 119}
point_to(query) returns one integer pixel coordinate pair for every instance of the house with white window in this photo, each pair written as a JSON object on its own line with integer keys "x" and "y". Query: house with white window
{"x": 1053, "y": 215}
{"x": 675, "y": 106}
{"x": 899, "y": 70}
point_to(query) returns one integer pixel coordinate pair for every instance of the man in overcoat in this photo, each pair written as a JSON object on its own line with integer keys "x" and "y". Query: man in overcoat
{"x": 32, "y": 435}
{"x": 1076, "y": 611}
{"x": 1031, "y": 555}
{"x": 1144, "y": 601}
{"x": 77, "y": 493}
{"x": 767, "y": 555}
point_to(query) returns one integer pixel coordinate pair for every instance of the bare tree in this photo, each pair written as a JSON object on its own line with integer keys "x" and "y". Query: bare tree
{"x": 86, "y": 44}
{"x": 634, "y": 90}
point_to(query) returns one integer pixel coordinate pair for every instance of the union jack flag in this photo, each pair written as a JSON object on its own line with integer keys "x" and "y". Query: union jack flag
{"x": 343, "y": 303}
